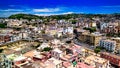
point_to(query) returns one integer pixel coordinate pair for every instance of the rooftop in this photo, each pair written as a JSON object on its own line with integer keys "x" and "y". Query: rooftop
{"x": 91, "y": 59}
{"x": 57, "y": 50}
{"x": 109, "y": 41}
{"x": 117, "y": 38}
{"x": 55, "y": 61}
{"x": 112, "y": 55}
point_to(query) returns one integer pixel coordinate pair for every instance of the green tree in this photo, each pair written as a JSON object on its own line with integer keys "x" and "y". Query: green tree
{"x": 3, "y": 25}
{"x": 92, "y": 29}
{"x": 97, "y": 50}
{"x": 47, "y": 49}
{"x": 74, "y": 21}
{"x": 1, "y": 50}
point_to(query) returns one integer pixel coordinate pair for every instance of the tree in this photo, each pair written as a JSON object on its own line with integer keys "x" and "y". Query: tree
{"x": 97, "y": 50}
{"x": 75, "y": 31}
{"x": 74, "y": 21}
{"x": 47, "y": 49}
{"x": 68, "y": 42}
{"x": 92, "y": 29}
{"x": 1, "y": 50}
{"x": 43, "y": 31}
{"x": 3, "y": 25}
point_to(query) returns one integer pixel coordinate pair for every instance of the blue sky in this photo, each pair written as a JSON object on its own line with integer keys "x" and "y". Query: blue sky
{"x": 56, "y": 7}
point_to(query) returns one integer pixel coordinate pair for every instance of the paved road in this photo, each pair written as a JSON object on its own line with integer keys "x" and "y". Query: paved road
{"x": 90, "y": 47}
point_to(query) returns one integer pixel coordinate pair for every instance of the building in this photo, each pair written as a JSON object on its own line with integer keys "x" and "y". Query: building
{"x": 68, "y": 30}
{"x": 116, "y": 39}
{"x": 112, "y": 29}
{"x": 56, "y": 53}
{"x": 103, "y": 25}
{"x": 14, "y": 23}
{"x": 92, "y": 24}
{"x": 117, "y": 42}
{"x": 4, "y": 38}
{"x": 51, "y": 30}
{"x": 80, "y": 31}
{"x": 92, "y": 39}
{"x": 114, "y": 59}
{"x": 23, "y": 35}
{"x": 108, "y": 44}
{"x": 55, "y": 63}
{"x": 78, "y": 65}
{"x": 97, "y": 62}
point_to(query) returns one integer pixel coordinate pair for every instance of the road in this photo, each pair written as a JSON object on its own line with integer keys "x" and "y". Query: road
{"x": 86, "y": 46}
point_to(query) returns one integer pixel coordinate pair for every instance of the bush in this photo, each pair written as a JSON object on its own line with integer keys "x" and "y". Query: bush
{"x": 47, "y": 49}
{"x": 97, "y": 50}
{"x": 2, "y": 25}
{"x": 92, "y": 29}
{"x": 68, "y": 42}
{"x": 1, "y": 50}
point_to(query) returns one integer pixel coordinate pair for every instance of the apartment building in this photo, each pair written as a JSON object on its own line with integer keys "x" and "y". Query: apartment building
{"x": 114, "y": 59}
{"x": 92, "y": 39}
{"x": 108, "y": 44}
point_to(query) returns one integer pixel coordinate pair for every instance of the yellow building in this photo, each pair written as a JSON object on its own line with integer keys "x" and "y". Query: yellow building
{"x": 92, "y": 24}
{"x": 92, "y": 39}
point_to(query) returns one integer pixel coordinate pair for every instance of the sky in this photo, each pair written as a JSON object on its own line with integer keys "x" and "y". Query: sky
{"x": 57, "y": 7}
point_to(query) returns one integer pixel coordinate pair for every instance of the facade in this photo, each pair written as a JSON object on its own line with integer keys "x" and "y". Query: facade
{"x": 23, "y": 35}
{"x": 4, "y": 38}
{"x": 92, "y": 24}
{"x": 116, "y": 39}
{"x": 91, "y": 39}
{"x": 14, "y": 23}
{"x": 56, "y": 53}
{"x": 112, "y": 29}
{"x": 117, "y": 42}
{"x": 108, "y": 44}
{"x": 114, "y": 59}
{"x": 103, "y": 25}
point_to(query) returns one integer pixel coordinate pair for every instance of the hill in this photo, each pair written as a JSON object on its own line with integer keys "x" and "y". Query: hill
{"x": 24, "y": 16}
{"x": 67, "y": 16}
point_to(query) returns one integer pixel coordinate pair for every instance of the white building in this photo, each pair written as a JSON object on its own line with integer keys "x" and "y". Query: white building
{"x": 68, "y": 30}
{"x": 103, "y": 25}
{"x": 56, "y": 53}
{"x": 23, "y": 35}
{"x": 43, "y": 45}
{"x": 108, "y": 44}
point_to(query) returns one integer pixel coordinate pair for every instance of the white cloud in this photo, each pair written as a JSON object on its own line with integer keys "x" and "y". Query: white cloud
{"x": 48, "y": 14}
{"x": 11, "y": 10}
{"x": 68, "y": 13}
{"x": 47, "y": 10}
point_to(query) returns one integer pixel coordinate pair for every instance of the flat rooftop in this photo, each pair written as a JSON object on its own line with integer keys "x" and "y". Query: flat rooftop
{"x": 109, "y": 41}
{"x": 97, "y": 59}
{"x": 112, "y": 55}
{"x": 118, "y": 38}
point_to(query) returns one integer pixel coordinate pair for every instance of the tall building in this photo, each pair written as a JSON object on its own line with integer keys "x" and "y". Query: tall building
{"x": 108, "y": 44}
{"x": 92, "y": 39}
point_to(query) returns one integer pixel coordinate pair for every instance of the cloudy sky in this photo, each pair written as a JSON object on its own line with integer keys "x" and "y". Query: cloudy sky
{"x": 56, "y": 7}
